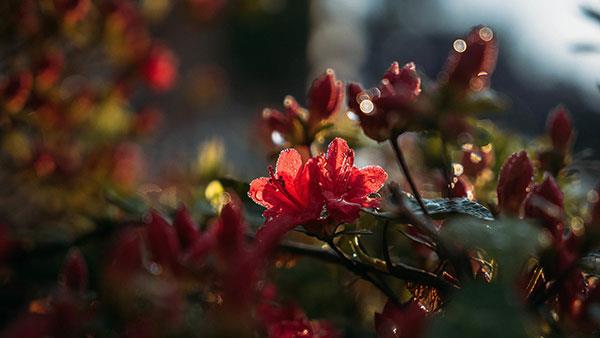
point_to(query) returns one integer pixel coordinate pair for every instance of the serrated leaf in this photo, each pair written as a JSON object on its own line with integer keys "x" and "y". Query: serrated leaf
{"x": 590, "y": 263}
{"x": 438, "y": 208}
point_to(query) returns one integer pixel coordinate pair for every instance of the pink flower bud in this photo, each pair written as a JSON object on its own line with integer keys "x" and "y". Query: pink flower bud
{"x": 513, "y": 183}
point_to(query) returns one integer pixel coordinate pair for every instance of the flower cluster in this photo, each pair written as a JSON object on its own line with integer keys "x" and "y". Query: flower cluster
{"x": 325, "y": 190}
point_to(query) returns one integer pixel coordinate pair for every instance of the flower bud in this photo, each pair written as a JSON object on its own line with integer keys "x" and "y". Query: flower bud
{"x": 324, "y": 97}
{"x": 513, "y": 183}
{"x": 471, "y": 61}
{"x": 74, "y": 274}
{"x": 475, "y": 160}
{"x": 545, "y": 203}
{"x": 560, "y": 129}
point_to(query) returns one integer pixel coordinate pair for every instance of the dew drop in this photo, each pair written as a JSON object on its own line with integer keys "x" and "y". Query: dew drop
{"x": 277, "y": 138}
{"x": 459, "y": 45}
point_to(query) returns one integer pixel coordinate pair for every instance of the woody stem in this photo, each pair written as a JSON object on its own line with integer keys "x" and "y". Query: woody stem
{"x": 360, "y": 271}
{"x": 404, "y": 166}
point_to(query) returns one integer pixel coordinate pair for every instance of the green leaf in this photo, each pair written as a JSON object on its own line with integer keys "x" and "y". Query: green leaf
{"x": 482, "y": 310}
{"x": 439, "y": 208}
{"x": 510, "y": 242}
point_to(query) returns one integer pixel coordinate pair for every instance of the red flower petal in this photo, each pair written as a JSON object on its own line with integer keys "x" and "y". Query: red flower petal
{"x": 187, "y": 229}
{"x": 162, "y": 239}
{"x": 366, "y": 181}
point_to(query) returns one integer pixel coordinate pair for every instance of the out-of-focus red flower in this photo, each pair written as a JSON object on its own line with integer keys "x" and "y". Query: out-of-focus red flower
{"x": 147, "y": 121}
{"x": 72, "y": 10}
{"x": 471, "y": 61}
{"x": 475, "y": 160}
{"x": 15, "y": 90}
{"x": 324, "y": 97}
{"x": 560, "y": 129}
{"x": 286, "y": 123}
{"x": 545, "y": 203}
{"x": 514, "y": 181}
{"x": 327, "y": 189}
{"x": 159, "y": 70}
{"x": 346, "y": 188}
{"x": 206, "y": 9}
{"x": 74, "y": 273}
{"x": 407, "y": 321}
{"x": 49, "y": 69}
{"x": 128, "y": 164}
{"x": 388, "y": 108}
{"x": 289, "y": 321}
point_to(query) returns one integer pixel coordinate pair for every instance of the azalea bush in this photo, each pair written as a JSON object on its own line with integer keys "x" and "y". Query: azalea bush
{"x": 454, "y": 228}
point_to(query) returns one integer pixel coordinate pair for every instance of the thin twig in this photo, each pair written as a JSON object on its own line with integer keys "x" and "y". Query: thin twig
{"x": 404, "y": 167}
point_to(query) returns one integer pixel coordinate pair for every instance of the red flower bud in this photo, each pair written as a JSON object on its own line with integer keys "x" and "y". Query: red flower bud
{"x": 560, "y": 129}
{"x": 126, "y": 256}
{"x": 545, "y": 203}
{"x": 472, "y": 60}
{"x": 163, "y": 240}
{"x": 15, "y": 90}
{"x": 513, "y": 183}
{"x": 160, "y": 68}
{"x": 407, "y": 321}
{"x": 324, "y": 97}
{"x": 230, "y": 231}
{"x": 388, "y": 108}
{"x": 187, "y": 229}
{"x": 74, "y": 274}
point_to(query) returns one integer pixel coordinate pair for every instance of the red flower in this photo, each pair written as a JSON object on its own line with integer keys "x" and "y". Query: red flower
{"x": 560, "y": 129}
{"x": 387, "y": 108}
{"x": 160, "y": 68}
{"x": 327, "y": 189}
{"x": 513, "y": 183}
{"x": 291, "y": 193}
{"x": 407, "y": 321}
{"x": 346, "y": 188}
{"x": 472, "y": 60}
